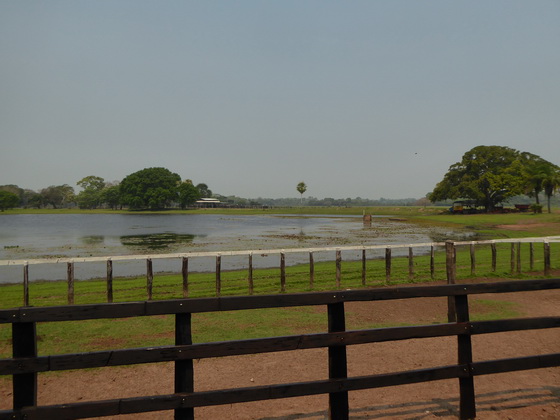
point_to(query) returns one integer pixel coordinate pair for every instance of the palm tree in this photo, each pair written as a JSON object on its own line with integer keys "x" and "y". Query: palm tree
{"x": 550, "y": 184}
{"x": 301, "y": 187}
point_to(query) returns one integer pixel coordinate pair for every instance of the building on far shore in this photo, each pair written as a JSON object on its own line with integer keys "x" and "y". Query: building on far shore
{"x": 208, "y": 202}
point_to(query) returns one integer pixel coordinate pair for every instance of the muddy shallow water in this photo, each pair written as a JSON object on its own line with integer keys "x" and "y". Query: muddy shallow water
{"x": 25, "y": 237}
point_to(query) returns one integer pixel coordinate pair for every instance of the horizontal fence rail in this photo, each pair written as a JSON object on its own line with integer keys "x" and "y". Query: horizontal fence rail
{"x": 26, "y": 363}
{"x": 514, "y": 253}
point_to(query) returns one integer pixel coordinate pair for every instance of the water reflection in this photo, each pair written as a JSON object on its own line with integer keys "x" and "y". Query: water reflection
{"x": 93, "y": 239}
{"x": 156, "y": 241}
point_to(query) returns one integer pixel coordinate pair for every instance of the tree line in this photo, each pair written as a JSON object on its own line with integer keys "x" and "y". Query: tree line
{"x": 147, "y": 189}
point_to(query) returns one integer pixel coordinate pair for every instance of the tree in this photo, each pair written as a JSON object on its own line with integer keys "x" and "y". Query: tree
{"x": 188, "y": 193}
{"x": 550, "y": 185}
{"x": 58, "y": 195}
{"x": 150, "y": 188}
{"x": 90, "y": 196}
{"x": 8, "y": 200}
{"x": 301, "y": 187}
{"x": 538, "y": 174}
{"x": 488, "y": 175}
{"x": 204, "y": 190}
{"x": 111, "y": 196}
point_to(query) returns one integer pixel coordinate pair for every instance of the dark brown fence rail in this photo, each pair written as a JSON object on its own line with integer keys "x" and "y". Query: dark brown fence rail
{"x": 26, "y": 364}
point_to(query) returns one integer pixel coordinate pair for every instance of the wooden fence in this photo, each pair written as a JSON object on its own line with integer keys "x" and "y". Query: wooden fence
{"x": 184, "y": 258}
{"x": 26, "y": 364}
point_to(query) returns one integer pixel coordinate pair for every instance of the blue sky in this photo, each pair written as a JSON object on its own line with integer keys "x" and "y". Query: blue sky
{"x": 355, "y": 98}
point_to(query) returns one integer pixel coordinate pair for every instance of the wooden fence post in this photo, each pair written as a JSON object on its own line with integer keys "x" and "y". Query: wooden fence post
{"x": 218, "y": 275}
{"x": 531, "y": 256}
{"x": 24, "y": 385}
{"x": 387, "y": 265}
{"x": 451, "y": 269}
{"x": 364, "y": 267}
{"x": 185, "y": 275}
{"x": 494, "y": 256}
{"x": 311, "y": 270}
{"x": 184, "y": 371}
{"x": 467, "y": 406}
{"x": 518, "y": 261}
{"x": 338, "y": 401}
{"x": 25, "y": 283}
{"x": 512, "y": 259}
{"x": 70, "y": 277}
{"x": 109, "y": 280}
{"x": 473, "y": 259}
{"x": 432, "y": 262}
{"x": 250, "y": 277}
{"x": 338, "y": 268}
{"x": 546, "y": 258}
{"x": 410, "y": 264}
{"x": 149, "y": 278}
{"x": 282, "y": 272}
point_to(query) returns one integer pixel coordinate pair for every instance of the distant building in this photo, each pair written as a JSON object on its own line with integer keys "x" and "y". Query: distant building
{"x": 208, "y": 202}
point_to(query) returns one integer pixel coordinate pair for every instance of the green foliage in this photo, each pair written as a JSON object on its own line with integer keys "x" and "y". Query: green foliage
{"x": 204, "y": 191}
{"x": 57, "y": 195}
{"x": 489, "y": 175}
{"x": 150, "y": 188}
{"x": 188, "y": 193}
{"x": 8, "y": 200}
{"x": 90, "y": 196}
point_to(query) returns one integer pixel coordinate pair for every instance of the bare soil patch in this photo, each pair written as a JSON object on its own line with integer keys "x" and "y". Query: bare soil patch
{"x": 533, "y": 394}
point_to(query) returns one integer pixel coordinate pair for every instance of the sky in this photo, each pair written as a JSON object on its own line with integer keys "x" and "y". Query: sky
{"x": 371, "y": 99}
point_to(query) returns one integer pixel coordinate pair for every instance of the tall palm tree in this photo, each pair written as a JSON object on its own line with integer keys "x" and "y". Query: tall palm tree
{"x": 550, "y": 185}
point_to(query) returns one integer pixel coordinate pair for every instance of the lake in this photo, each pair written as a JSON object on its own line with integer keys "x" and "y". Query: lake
{"x": 26, "y": 236}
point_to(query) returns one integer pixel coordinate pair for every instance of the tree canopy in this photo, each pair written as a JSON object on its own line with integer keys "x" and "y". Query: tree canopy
{"x": 8, "y": 200}
{"x": 150, "y": 188}
{"x": 489, "y": 175}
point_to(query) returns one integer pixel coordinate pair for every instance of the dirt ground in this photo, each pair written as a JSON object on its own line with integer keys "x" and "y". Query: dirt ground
{"x": 533, "y": 394}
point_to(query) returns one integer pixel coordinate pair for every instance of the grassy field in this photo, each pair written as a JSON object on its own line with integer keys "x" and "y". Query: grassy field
{"x": 100, "y": 334}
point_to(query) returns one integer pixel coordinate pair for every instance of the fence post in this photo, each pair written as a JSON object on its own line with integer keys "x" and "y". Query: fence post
{"x": 473, "y": 259}
{"x": 432, "y": 262}
{"x": 518, "y": 261}
{"x": 218, "y": 275}
{"x": 387, "y": 265}
{"x": 467, "y": 407}
{"x": 184, "y": 371}
{"x": 364, "y": 267}
{"x": 451, "y": 269}
{"x": 338, "y": 401}
{"x": 512, "y": 262}
{"x": 109, "y": 280}
{"x": 282, "y": 272}
{"x": 25, "y": 283}
{"x": 531, "y": 256}
{"x": 410, "y": 264}
{"x": 546, "y": 245}
{"x": 311, "y": 270}
{"x": 24, "y": 386}
{"x": 250, "y": 278}
{"x": 70, "y": 277}
{"x": 185, "y": 275}
{"x": 494, "y": 256}
{"x": 149, "y": 278}
{"x": 338, "y": 268}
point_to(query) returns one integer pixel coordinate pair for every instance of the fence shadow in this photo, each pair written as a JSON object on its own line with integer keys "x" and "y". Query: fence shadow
{"x": 439, "y": 407}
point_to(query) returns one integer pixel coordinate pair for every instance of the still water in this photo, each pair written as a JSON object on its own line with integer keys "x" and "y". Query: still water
{"x": 26, "y": 237}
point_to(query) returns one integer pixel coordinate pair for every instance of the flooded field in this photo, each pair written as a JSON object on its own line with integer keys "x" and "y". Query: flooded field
{"x": 27, "y": 237}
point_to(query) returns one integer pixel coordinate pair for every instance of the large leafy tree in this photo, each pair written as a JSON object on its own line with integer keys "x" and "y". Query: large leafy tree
{"x": 150, "y": 188}
{"x": 111, "y": 196}
{"x": 58, "y": 195}
{"x": 550, "y": 185}
{"x": 8, "y": 200}
{"x": 204, "y": 190}
{"x": 187, "y": 193}
{"x": 488, "y": 175}
{"x": 90, "y": 196}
